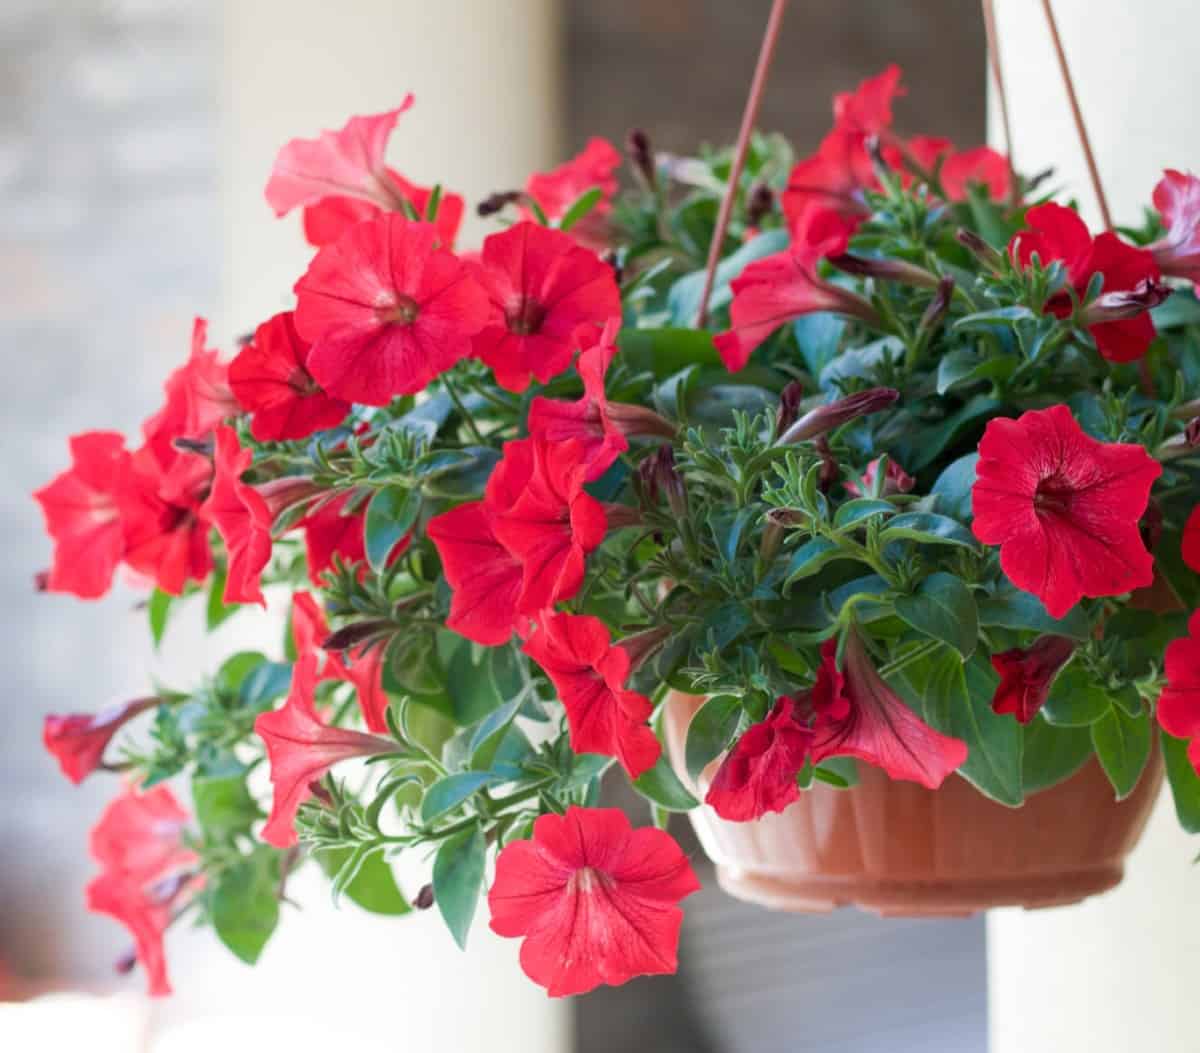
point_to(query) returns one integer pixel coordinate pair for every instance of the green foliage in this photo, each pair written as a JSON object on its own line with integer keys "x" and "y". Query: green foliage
{"x": 243, "y": 903}
{"x": 458, "y": 880}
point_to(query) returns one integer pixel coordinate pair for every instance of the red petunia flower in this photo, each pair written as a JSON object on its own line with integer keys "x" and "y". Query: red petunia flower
{"x": 1177, "y": 198}
{"x": 982, "y": 166}
{"x": 345, "y": 163}
{"x": 576, "y": 653}
{"x": 333, "y": 531}
{"x": 301, "y": 749}
{"x": 1026, "y": 675}
{"x": 601, "y": 427}
{"x": 78, "y": 741}
{"x": 198, "y": 398}
{"x": 270, "y": 380}
{"x": 759, "y": 774}
{"x": 1190, "y": 543}
{"x": 164, "y": 521}
{"x": 1179, "y": 703}
{"x": 82, "y": 510}
{"x": 331, "y": 217}
{"x": 868, "y": 109}
{"x": 556, "y": 191}
{"x": 548, "y": 296}
{"x": 1057, "y": 233}
{"x": 596, "y": 900}
{"x": 781, "y": 288}
{"x": 858, "y": 715}
{"x": 484, "y": 576}
{"x": 831, "y": 180}
{"x": 146, "y": 870}
{"x": 386, "y": 311}
{"x": 1063, "y": 508}
{"x": 545, "y": 518}
{"x": 241, "y": 517}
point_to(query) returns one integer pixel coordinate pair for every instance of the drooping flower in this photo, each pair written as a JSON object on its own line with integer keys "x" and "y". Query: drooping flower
{"x": 1178, "y": 708}
{"x": 1063, "y": 508}
{"x": 820, "y": 420}
{"x": 759, "y": 773}
{"x": 895, "y": 479}
{"x": 241, "y": 517}
{"x": 301, "y": 749}
{"x": 1057, "y": 233}
{"x": 145, "y": 870}
{"x": 1177, "y": 198}
{"x": 484, "y": 576}
{"x": 543, "y": 515}
{"x": 270, "y": 380}
{"x": 595, "y": 900}
{"x": 82, "y": 510}
{"x": 589, "y": 672}
{"x": 556, "y": 191}
{"x": 831, "y": 180}
{"x": 345, "y": 163}
{"x": 198, "y": 398}
{"x": 601, "y": 427}
{"x": 331, "y": 217}
{"x": 386, "y": 311}
{"x": 549, "y": 297}
{"x": 781, "y": 288}
{"x": 858, "y": 715}
{"x": 1026, "y": 675}
{"x": 78, "y": 741}
{"x": 163, "y": 518}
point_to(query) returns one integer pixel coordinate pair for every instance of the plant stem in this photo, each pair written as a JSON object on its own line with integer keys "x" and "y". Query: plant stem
{"x": 1077, "y": 115}
{"x": 749, "y": 116}
{"x": 465, "y": 413}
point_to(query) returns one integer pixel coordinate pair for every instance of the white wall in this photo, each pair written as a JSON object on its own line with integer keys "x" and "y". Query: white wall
{"x": 1118, "y": 973}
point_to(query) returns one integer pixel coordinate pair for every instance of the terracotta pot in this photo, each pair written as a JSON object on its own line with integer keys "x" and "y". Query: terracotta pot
{"x": 896, "y": 848}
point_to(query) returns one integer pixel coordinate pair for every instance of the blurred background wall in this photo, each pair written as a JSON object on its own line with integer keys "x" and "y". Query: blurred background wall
{"x": 135, "y": 137}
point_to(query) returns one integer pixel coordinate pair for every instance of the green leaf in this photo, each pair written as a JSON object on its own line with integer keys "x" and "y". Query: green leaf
{"x": 661, "y": 786}
{"x": 158, "y": 609}
{"x": 664, "y": 352}
{"x": 819, "y": 337}
{"x": 963, "y": 366}
{"x": 458, "y": 880}
{"x": 236, "y": 669}
{"x": 244, "y": 906}
{"x": 390, "y": 516}
{"x": 470, "y": 687}
{"x": 841, "y": 772}
{"x": 928, "y": 529}
{"x": 264, "y": 683}
{"x": 1181, "y": 308}
{"x": 580, "y": 208}
{"x": 953, "y": 488}
{"x": 1011, "y": 608}
{"x": 943, "y": 608}
{"x": 683, "y": 299}
{"x": 811, "y": 557}
{"x": 1185, "y": 783}
{"x": 1005, "y": 316}
{"x": 223, "y": 805}
{"x": 1076, "y": 700}
{"x": 1052, "y": 754}
{"x": 373, "y": 886}
{"x": 859, "y": 510}
{"x": 217, "y": 610}
{"x": 711, "y": 731}
{"x": 926, "y": 445}
{"x": 1122, "y": 743}
{"x": 452, "y": 790}
{"x": 489, "y": 733}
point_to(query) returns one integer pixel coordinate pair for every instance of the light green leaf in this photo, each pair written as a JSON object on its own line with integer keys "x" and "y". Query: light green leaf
{"x": 711, "y": 731}
{"x": 244, "y": 907}
{"x": 373, "y": 886}
{"x": 859, "y": 510}
{"x": 661, "y": 786}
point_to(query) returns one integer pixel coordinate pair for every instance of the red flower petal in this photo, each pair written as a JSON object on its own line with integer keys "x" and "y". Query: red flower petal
{"x": 547, "y": 296}
{"x": 1063, "y": 508}
{"x": 82, "y": 511}
{"x": 1178, "y": 708}
{"x": 140, "y": 835}
{"x": 557, "y": 190}
{"x": 589, "y": 673}
{"x": 1177, "y": 198}
{"x": 386, "y": 311}
{"x": 868, "y": 109}
{"x": 981, "y": 165}
{"x": 241, "y": 517}
{"x": 270, "y": 380}
{"x": 145, "y": 916}
{"x": 596, "y": 900}
{"x": 78, "y": 741}
{"x": 345, "y": 163}
{"x": 1027, "y": 674}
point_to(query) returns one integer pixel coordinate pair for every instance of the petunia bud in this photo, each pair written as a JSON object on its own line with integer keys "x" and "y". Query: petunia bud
{"x": 639, "y": 420}
{"x": 760, "y": 204}
{"x": 885, "y": 269}
{"x": 287, "y": 492}
{"x": 1121, "y": 304}
{"x": 78, "y": 741}
{"x": 895, "y": 481}
{"x": 41, "y": 581}
{"x": 1180, "y": 445}
{"x": 497, "y": 202}
{"x": 659, "y": 476}
{"x": 356, "y": 633}
{"x": 980, "y": 249}
{"x": 934, "y": 314}
{"x": 641, "y": 158}
{"x": 424, "y": 898}
{"x": 641, "y": 646}
{"x": 830, "y": 469}
{"x": 789, "y": 406}
{"x": 1026, "y": 675}
{"x": 834, "y": 414}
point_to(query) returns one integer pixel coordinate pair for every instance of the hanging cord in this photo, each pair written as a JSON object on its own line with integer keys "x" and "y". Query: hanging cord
{"x": 993, "y": 50}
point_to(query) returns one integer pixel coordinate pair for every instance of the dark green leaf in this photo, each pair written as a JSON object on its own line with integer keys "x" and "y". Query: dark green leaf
{"x": 925, "y": 446}
{"x": 1122, "y": 743}
{"x": 661, "y": 786}
{"x": 452, "y": 790}
{"x": 1076, "y": 700}
{"x": 664, "y": 352}
{"x": 711, "y": 731}
{"x": 819, "y": 337}
{"x": 244, "y": 906}
{"x": 1005, "y": 316}
{"x": 373, "y": 886}
{"x": 264, "y": 683}
{"x": 1052, "y": 754}
{"x": 1011, "y": 608}
{"x": 811, "y": 557}
{"x": 458, "y": 880}
{"x": 1185, "y": 783}
{"x": 489, "y": 733}
{"x": 928, "y": 529}
{"x": 953, "y": 488}
{"x": 726, "y": 623}
{"x": 859, "y": 510}
{"x": 683, "y": 300}
{"x": 942, "y": 607}
{"x": 962, "y": 366}
{"x": 390, "y": 516}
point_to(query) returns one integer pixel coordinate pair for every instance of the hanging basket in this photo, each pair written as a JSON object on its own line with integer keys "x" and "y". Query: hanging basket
{"x": 896, "y": 848}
